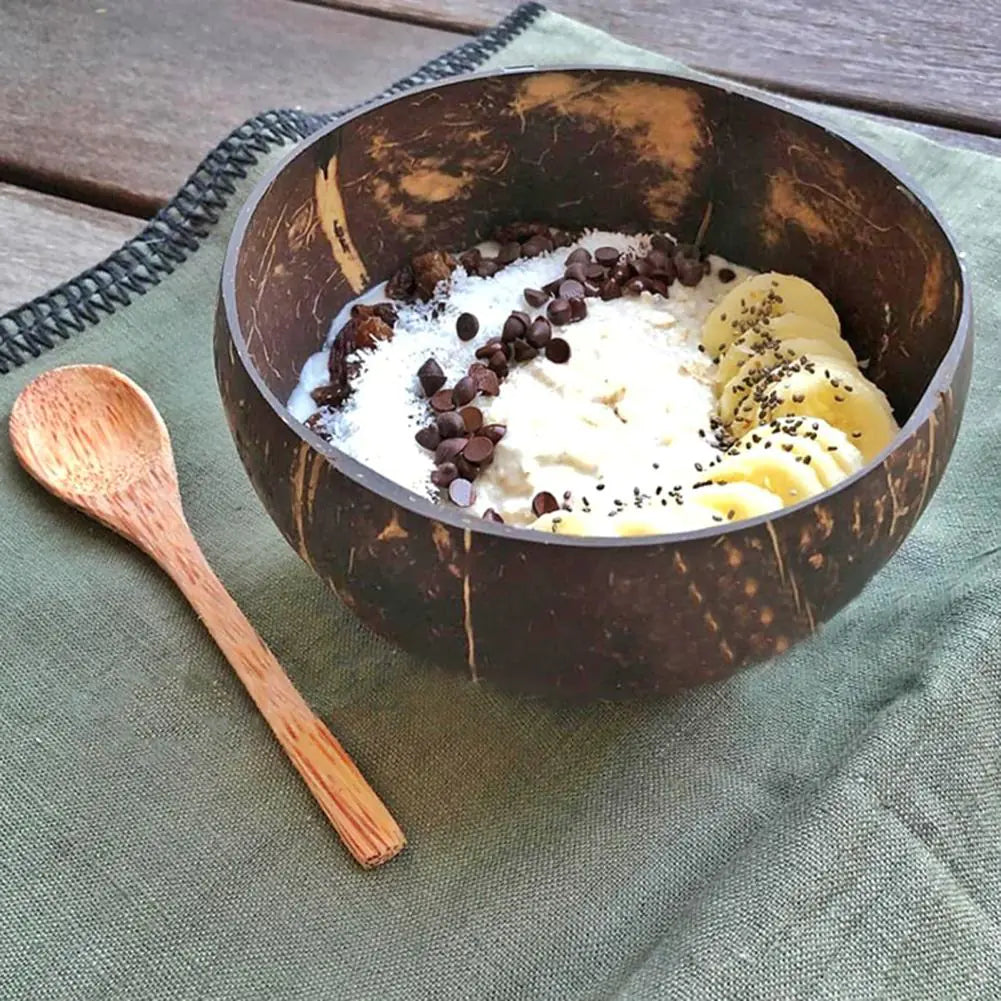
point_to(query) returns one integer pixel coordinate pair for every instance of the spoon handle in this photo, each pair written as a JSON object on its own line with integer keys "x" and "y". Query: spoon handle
{"x": 361, "y": 819}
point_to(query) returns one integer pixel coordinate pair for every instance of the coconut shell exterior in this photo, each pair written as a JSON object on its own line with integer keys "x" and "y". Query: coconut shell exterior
{"x": 440, "y": 168}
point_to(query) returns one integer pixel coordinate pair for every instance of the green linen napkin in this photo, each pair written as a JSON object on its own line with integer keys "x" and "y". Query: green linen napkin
{"x": 826, "y": 826}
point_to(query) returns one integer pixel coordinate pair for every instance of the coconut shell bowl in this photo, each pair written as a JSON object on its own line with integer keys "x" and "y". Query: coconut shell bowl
{"x": 442, "y": 167}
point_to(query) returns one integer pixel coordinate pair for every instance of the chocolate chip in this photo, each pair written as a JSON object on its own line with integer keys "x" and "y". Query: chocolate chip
{"x": 659, "y": 262}
{"x": 487, "y": 268}
{"x": 487, "y": 382}
{"x": 478, "y": 449}
{"x": 535, "y": 297}
{"x": 466, "y": 469}
{"x": 560, "y": 238}
{"x": 448, "y": 449}
{"x": 610, "y": 290}
{"x": 444, "y": 474}
{"x": 608, "y": 256}
{"x": 640, "y": 267}
{"x": 690, "y": 270}
{"x": 462, "y": 492}
{"x": 578, "y": 310}
{"x": 552, "y": 287}
{"x": 467, "y": 326}
{"x": 726, "y": 274}
{"x": 465, "y": 390}
{"x": 634, "y": 286}
{"x": 559, "y": 312}
{"x": 580, "y": 255}
{"x": 450, "y": 424}
{"x": 544, "y": 503}
{"x": 519, "y": 230}
{"x": 509, "y": 252}
{"x": 666, "y": 274}
{"x": 491, "y": 515}
{"x": 658, "y": 286}
{"x": 661, "y": 241}
{"x": 595, "y": 272}
{"x": 571, "y": 289}
{"x": 557, "y": 350}
{"x": 515, "y": 326}
{"x": 442, "y": 401}
{"x": 472, "y": 418}
{"x": 536, "y": 245}
{"x": 431, "y": 377}
{"x": 523, "y": 351}
{"x": 498, "y": 362}
{"x": 486, "y": 350}
{"x": 494, "y": 432}
{"x": 428, "y": 437}
{"x": 470, "y": 259}
{"x": 576, "y": 272}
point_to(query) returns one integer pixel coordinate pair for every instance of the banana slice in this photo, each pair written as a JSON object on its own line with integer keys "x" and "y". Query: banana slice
{"x": 761, "y": 298}
{"x": 783, "y": 333}
{"x": 650, "y": 521}
{"x": 657, "y": 522}
{"x": 774, "y": 470}
{"x": 736, "y": 500}
{"x": 808, "y": 435}
{"x": 843, "y": 397}
{"x": 756, "y": 367}
{"x": 803, "y": 450}
{"x": 566, "y": 523}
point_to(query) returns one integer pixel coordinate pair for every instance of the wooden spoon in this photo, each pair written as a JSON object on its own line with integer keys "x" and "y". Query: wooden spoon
{"x": 93, "y": 438}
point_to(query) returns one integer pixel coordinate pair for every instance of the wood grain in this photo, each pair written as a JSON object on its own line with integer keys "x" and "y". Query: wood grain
{"x": 936, "y": 62}
{"x": 95, "y": 440}
{"x": 116, "y": 101}
{"x": 49, "y": 240}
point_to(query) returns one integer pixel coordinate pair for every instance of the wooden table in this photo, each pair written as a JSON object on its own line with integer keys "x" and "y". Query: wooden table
{"x": 107, "y": 105}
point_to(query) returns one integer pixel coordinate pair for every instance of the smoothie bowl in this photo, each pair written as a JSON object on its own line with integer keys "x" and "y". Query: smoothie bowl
{"x": 594, "y": 382}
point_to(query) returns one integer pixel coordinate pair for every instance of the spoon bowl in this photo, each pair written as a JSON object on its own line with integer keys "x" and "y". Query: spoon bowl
{"x": 89, "y": 431}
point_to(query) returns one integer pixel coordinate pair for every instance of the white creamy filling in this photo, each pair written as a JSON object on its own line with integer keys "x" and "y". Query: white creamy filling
{"x": 626, "y": 419}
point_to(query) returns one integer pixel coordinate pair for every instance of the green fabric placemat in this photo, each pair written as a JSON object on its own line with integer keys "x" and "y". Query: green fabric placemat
{"x": 826, "y": 826}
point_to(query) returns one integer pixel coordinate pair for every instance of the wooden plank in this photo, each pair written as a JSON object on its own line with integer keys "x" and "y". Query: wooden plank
{"x": 934, "y": 62}
{"x": 116, "y": 101}
{"x": 49, "y": 240}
